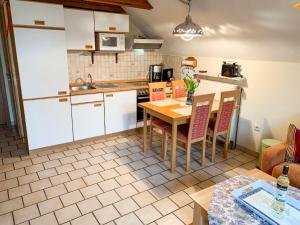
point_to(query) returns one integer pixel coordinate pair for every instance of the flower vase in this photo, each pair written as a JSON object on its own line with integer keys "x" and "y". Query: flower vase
{"x": 189, "y": 99}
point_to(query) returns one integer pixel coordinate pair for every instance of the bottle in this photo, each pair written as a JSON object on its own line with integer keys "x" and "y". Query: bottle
{"x": 281, "y": 191}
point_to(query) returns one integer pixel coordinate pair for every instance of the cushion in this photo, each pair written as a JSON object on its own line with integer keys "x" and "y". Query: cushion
{"x": 297, "y": 146}
{"x": 294, "y": 171}
{"x": 182, "y": 132}
{"x": 160, "y": 123}
{"x": 292, "y": 152}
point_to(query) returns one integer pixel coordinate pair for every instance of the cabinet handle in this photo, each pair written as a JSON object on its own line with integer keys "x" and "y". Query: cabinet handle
{"x": 39, "y": 22}
{"x": 109, "y": 95}
{"x": 88, "y": 46}
{"x": 63, "y": 99}
{"x": 62, "y": 92}
{"x": 98, "y": 105}
{"x": 112, "y": 28}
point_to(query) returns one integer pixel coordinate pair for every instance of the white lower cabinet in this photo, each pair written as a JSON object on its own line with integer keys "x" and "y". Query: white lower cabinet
{"x": 120, "y": 111}
{"x": 88, "y": 117}
{"x": 48, "y": 122}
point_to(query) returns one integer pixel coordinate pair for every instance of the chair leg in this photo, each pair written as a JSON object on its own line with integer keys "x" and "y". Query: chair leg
{"x": 203, "y": 153}
{"x": 213, "y": 154}
{"x": 225, "y": 152}
{"x": 164, "y": 145}
{"x": 150, "y": 135}
{"x": 188, "y": 156}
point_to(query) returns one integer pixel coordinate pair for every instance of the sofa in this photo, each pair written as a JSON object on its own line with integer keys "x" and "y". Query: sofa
{"x": 273, "y": 160}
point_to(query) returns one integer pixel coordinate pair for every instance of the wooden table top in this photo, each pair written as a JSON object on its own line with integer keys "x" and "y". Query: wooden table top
{"x": 203, "y": 197}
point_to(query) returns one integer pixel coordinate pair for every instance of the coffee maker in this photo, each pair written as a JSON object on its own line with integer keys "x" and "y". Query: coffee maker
{"x": 155, "y": 73}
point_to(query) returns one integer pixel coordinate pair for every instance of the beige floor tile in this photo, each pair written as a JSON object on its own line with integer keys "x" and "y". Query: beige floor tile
{"x": 138, "y": 165}
{"x": 68, "y": 160}
{"x": 192, "y": 189}
{"x": 160, "y": 192}
{"x": 28, "y": 178}
{"x": 85, "y": 149}
{"x": 188, "y": 180}
{"x": 233, "y": 162}
{"x": 126, "y": 191}
{"x": 75, "y": 174}
{"x": 165, "y": 206}
{"x": 64, "y": 168}
{"x": 181, "y": 198}
{"x": 5, "y": 168}
{"x": 48, "y": 219}
{"x": 34, "y": 198}
{"x": 124, "y": 169}
{"x": 201, "y": 175}
{"x": 106, "y": 214}
{"x": 92, "y": 179}
{"x": 50, "y": 205}
{"x": 6, "y": 184}
{"x": 7, "y": 219}
{"x": 83, "y": 156}
{"x": 144, "y": 198}
{"x": 2, "y": 176}
{"x": 212, "y": 170}
{"x": 22, "y": 163}
{"x": 26, "y": 213}
{"x": 66, "y": 214}
{"x": 148, "y": 214}
{"x": 126, "y": 206}
{"x": 109, "y": 165}
{"x": 169, "y": 175}
{"x": 185, "y": 214}
{"x": 97, "y": 152}
{"x": 55, "y": 191}
{"x": 218, "y": 179}
{"x": 123, "y": 160}
{"x": 71, "y": 198}
{"x": 169, "y": 219}
{"x": 59, "y": 179}
{"x": 15, "y": 173}
{"x": 34, "y": 168}
{"x": 108, "y": 198}
{"x": 91, "y": 191}
{"x": 109, "y": 185}
{"x": 130, "y": 219}
{"x": 89, "y": 205}
{"x": 142, "y": 185}
{"x": 109, "y": 174}
{"x": 157, "y": 179}
{"x": 55, "y": 156}
{"x": 223, "y": 166}
{"x": 3, "y": 196}
{"x": 93, "y": 169}
{"x": 206, "y": 184}
{"x": 140, "y": 174}
{"x": 47, "y": 173}
{"x": 125, "y": 179}
{"x": 40, "y": 159}
{"x": 51, "y": 164}
{"x": 75, "y": 184}
{"x": 19, "y": 191}
{"x": 96, "y": 159}
{"x": 81, "y": 164}
{"x": 10, "y": 205}
{"x": 175, "y": 186}
{"x": 88, "y": 219}
{"x": 40, "y": 184}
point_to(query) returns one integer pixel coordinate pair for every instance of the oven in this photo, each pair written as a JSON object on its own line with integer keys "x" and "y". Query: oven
{"x": 142, "y": 96}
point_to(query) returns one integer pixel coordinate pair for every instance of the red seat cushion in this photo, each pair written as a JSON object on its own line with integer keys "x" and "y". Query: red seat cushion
{"x": 182, "y": 132}
{"x": 160, "y": 123}
{"x": 297, "y": 146}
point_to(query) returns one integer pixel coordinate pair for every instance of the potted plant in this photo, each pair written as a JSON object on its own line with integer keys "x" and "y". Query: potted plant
{"x": 191, "y": 83}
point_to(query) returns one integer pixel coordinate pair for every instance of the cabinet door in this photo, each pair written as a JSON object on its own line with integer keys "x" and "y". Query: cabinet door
{"x": 120, "y": 111}
{"x": 48, "y": 122}
{"x": 37, "y": 14}
{"x": 88, "y": 120}
{"x": 42, "y": 62}
{"x": 80, "y": 31}
{"x": 111, "y": 22}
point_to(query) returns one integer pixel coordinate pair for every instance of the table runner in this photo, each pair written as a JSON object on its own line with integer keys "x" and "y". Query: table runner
{"x": 225, "y": 210}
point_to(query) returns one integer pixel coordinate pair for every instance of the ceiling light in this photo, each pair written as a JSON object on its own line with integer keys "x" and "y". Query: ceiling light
{"x": 188, "y": 29}
{"x": 297, "y": 6}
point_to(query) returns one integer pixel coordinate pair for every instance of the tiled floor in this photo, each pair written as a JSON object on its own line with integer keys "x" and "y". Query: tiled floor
{"x": 107, "y": 181}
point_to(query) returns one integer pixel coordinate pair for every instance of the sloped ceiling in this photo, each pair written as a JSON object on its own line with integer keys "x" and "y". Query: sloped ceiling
{"x": 241, "y": 29}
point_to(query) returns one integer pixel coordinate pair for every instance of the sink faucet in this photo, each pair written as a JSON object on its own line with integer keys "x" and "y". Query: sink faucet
{"x": 80, "y": 79}
{"x": 91, "y": 83}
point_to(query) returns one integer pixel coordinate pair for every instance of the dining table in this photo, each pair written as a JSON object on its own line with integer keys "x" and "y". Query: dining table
{"x": 173, "y": 111}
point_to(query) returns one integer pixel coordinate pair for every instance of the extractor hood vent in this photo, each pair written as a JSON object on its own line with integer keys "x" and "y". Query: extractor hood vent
{"x": 145, "y": 43}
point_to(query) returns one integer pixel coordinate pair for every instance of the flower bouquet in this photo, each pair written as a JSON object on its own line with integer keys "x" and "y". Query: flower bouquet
{"x": 191, "y": 84}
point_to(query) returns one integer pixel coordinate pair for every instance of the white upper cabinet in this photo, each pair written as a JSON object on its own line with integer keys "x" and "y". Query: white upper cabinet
{"x": 111, "y": 22}
{"x": 80, "y": 31}
{"x": 42, "y": 62}
{"x": 37, "y": 14}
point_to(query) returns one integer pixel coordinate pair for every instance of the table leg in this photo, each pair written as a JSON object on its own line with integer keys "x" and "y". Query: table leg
{"x": 173, "y": 148}
{"x": 145, "y": 131}
{"x": 198, "y": 218}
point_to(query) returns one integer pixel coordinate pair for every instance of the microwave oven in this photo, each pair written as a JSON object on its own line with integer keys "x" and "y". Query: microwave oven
{"x": 110, "y": 42}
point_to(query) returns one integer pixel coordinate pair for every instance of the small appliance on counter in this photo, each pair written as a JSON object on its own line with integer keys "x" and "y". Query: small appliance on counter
{"x": 231, "y": 70}
{"x": 168, "y": 75}
{"x": 155, "y": 73}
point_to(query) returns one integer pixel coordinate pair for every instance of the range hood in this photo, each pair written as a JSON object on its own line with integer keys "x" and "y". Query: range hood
{"x": 145, "y": 43}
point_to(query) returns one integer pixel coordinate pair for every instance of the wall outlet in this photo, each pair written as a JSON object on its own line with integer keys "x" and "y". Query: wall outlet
{"x": 257, "y": 128}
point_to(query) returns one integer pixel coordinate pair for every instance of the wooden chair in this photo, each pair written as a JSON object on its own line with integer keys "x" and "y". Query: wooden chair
{"x": 157, "y": 91}
{"x": 221, "y": 124}
{"x": 178, "y": 89}
{"x": 196, "y": 130}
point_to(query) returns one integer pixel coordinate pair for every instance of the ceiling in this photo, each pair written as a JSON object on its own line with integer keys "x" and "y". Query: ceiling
{"x": 235, "y": 29}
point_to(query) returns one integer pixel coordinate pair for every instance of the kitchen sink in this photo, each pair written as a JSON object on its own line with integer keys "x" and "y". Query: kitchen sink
{"x": 80, "y": 88}
{"x": 106, "y": 86}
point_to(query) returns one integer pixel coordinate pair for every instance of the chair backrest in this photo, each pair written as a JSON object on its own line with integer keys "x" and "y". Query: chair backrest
{"x": 178, "y": 89}
{"x": 228, "y": 102}
{"x": 201, "y": 110}
{"x": 157, "y": 91}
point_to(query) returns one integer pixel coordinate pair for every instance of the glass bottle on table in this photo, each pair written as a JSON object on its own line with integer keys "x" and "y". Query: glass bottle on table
{"x": 283, "y": 183}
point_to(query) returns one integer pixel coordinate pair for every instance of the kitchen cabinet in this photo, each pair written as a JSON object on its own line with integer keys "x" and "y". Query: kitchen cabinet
{"x": 120, "y": 111}
{"x": 48, "y": 122}
{"x": 37, "y": 14}
{"x": 88, "y": 116}
{"x": 80, "y": 30}
{"x": 42, "y": 62}
{"x": 111, "y": 22}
